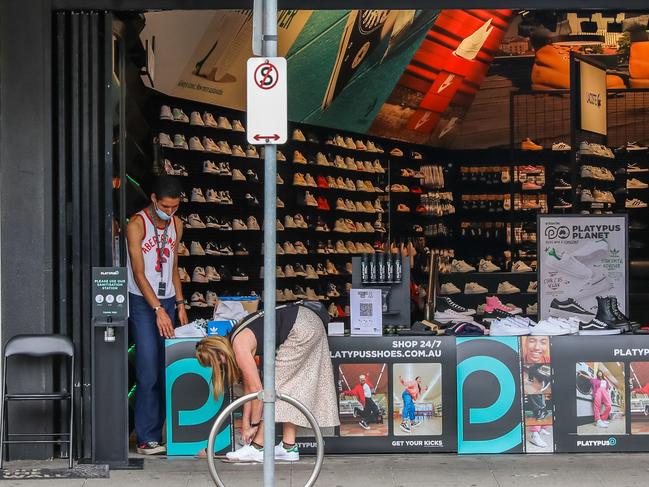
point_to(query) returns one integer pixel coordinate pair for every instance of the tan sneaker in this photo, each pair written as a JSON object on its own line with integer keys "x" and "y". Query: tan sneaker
{"x": 298, "y": 158}
{"x": 340, "y": 247}
{"x": 341, "y": 226}
{"x": 310, "y": 181}
{"x": 298, "y": 180}
{"x": 321, "y": 159}
{"x": 309, "y": 200}
{"x": 311, "y": 273}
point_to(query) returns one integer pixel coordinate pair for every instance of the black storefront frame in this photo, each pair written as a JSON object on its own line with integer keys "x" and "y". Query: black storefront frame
{"x": 32, "y": 235}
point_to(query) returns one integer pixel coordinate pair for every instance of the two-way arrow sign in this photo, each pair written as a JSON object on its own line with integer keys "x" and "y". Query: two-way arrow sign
{"x": 258, "y": 137}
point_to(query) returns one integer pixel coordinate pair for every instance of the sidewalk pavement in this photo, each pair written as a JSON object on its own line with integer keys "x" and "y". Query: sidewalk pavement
{"x": 407, "y": 470}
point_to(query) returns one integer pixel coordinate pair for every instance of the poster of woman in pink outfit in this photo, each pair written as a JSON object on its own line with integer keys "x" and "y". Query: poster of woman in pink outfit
{"x": 600, "y": 398}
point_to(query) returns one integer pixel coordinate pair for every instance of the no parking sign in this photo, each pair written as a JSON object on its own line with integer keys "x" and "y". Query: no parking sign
{"x": 267, "y": 105}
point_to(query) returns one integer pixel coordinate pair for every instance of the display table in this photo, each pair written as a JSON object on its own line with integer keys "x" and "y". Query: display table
{"x": 474, "y": 395}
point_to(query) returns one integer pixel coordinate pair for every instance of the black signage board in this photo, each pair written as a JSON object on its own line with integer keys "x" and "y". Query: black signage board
{"x": 109, "y": 294}
{"x": 601, "y": 390}
{"x": 412, "y": 402}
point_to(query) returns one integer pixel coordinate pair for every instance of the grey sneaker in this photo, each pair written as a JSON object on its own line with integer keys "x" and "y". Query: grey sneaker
{"x": 151, "y": 448}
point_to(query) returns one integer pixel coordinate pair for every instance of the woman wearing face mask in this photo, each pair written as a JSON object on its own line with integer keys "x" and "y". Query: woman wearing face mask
{"x": 303, "y": 370}
{"x": 155, "y": 297}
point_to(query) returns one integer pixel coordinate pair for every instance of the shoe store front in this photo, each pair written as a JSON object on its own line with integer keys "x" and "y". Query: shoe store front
{"x": 464, "y": 190}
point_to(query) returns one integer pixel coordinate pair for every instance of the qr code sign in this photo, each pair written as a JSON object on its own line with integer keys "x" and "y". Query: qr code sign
{"x": 366, "y": 309}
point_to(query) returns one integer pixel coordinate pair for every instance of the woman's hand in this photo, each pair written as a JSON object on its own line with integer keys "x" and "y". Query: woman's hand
{"x": 182, "y": 314}
{"x": 248, "y": 434}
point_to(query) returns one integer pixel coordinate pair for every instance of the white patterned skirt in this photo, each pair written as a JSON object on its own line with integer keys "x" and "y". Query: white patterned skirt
{"x": 303, "y": 370}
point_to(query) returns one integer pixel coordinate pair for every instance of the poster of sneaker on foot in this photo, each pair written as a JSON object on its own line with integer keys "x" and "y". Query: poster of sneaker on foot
{"x": 581, "y": 258}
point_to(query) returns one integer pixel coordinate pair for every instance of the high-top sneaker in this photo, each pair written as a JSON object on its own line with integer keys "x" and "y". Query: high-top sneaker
{"x": 605, "y": 315}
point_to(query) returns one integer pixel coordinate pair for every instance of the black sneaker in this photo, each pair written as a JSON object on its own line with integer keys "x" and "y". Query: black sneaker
{"x": 561, "y": 204}
{"x": 240, "y": 249}
{"x": 226, "y": 225}
{"x": 251, "y": 176}
{"x": 560, "y": 184}
{"x": 596, "y": 327}
{"x": 363, "y": 424}
{"x": 568, "y": 308}
{"x": 252, "y": 201}
{"x": 224, "y": 273}
{"x": 299, "y": 270}
{"x": 445, "y": 303}
{"x": 299, "y": 292}
{"x": 151, "y": 448}
{"x": 320, "y": 269}
{"x": 239, "y": 275}
{"x": 313, "y": 138}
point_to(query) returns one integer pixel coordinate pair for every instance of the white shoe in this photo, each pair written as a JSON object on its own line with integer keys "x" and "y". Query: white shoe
{"x": 636, "y": 184}
{"x": 165, "y": 113}
{"x": 165, "y": 140}
{"x": 281, "y": 453}
{"x": 195, "y": 119}
{"x": 487, "y": 266}
{"x": 601, "y": 424}
{"x": 509, "y": 327}
{"x": 536, "y": 440}
{"x": 566, "y": 265}
{"x": 470, "y": 46}
{"x": 593, "y": 250}
{"x": 560, "y": 146}
{"x": 550, "y": 328}
{"x": 461, "y": 266}
{"x": 521, "y": 266}
{"x": 247, "y": 453}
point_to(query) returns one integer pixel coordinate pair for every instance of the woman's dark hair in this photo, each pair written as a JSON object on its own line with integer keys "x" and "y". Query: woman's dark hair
{"x": 418, "y": 384}
{"x": 167, "y": 187}
{"x": 600, "y": 372}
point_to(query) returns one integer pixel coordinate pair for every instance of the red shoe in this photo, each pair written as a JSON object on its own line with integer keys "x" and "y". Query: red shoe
{"x": 416, "y": 190}
{"x": 323, "y": 204}
{"x": 378, "y": 246}
{"x": 420, "y": 209}
{"x": 322, "y": 182}
{"x": 341, "y": 311}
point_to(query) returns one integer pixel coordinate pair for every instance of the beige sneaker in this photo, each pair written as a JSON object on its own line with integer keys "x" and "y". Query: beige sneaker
{"x": 321, "y": 159}
{"x": 331, "y": 268}
{"x": 289, "y": 222}
{"x": 199, "y": 275}
{"x": 237, "y": 151}
{"x": 311, "y": 295}
{"x": 341, "y": 226}
{"x": 252, "y": 223}
{"x": 289, "y": 271}
{"x": 310, "y": 181}
{"x": 252, "y": 152}
{"x": 299, "y": 221}
{"x": 300, "y": 248}
{"x": 340, "y": 247}
{"x": 211, "y": 273}
{"x": 289, "y": 249}
{"x": 340, "y": 205}
{"x": 298, "y": 158}
{"x": 196, "y": 249}
{"x": 298, "y": 179}
{"x": 310, "y": 272}
{"x": 237, "y": 126}
{"x": 288, "y": 294}
{"x": 280, "y": 156}
{"x": 238, "y": 224}
{"x": 309, "y": 200}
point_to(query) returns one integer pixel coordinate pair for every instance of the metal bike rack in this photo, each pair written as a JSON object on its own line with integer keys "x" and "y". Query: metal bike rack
{"x": 260, "y": 396}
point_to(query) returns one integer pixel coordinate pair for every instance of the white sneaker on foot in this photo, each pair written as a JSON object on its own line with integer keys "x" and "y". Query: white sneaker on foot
{"x": 247, "y": 453}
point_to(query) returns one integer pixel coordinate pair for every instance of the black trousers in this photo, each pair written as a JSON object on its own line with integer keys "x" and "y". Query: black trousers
{"x": 370, "y": 413}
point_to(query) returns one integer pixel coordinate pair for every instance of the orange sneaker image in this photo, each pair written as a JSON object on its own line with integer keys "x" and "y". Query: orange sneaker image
{"x": 529, "y": 144}
{"x": 551, "y": 70}
{"x": 639, "y": 64}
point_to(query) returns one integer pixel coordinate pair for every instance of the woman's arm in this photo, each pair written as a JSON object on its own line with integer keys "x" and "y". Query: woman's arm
{"x": 244, "y": 348}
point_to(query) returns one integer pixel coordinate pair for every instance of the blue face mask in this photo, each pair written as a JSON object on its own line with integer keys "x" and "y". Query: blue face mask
{"x": 161, "y": 214}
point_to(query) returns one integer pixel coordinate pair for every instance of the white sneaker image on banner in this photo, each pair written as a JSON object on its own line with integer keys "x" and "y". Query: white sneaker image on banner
{"x": 592, "y": 251}
{"x": 471, "y": 45}
{"x": 566, "y": 265}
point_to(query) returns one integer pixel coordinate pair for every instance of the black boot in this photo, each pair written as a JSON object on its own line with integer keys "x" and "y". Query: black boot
{"x": 605, "y": 315}
{"x": 618, "y": 314}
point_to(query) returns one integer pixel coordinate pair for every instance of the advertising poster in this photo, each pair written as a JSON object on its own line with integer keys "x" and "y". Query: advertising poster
{"x": 191, "y": 407}
{"x": 600, "y": 388}
{"x": 580, "y": 258}
{"x": 537, "y": 394}
{"x": 395, "y": 394}
{"x": 489, "y": 406}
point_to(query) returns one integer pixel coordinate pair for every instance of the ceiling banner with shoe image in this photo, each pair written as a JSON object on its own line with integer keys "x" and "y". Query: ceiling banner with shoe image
{"x": 440, "y": 78}
{"x": 439, "y": 85}
{"x": 582, "y": 260}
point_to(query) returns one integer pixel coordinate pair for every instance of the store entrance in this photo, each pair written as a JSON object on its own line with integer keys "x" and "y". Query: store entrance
{"x": 450, "y": 134}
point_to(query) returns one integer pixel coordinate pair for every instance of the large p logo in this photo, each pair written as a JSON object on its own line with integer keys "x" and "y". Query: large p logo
{"x": 488, "y": 395}
{"x": 191, "y": 407}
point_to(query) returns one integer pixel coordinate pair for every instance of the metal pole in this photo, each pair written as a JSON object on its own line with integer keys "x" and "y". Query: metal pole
{"x": 269, "y": 48}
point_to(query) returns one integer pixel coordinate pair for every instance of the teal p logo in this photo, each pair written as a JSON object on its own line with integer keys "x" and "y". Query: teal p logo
{"x": 191, "y": 407}
{"x": 612, "y": 441}
{"x": 488, "y": 395}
